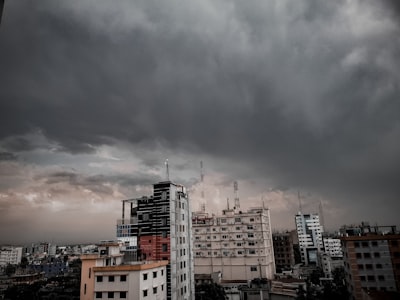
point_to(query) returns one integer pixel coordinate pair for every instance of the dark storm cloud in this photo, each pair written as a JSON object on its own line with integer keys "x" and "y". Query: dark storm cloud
{"x": 7, "y": 156}
{"x": 303, "y": 91}
{"x": 98, "y": 183}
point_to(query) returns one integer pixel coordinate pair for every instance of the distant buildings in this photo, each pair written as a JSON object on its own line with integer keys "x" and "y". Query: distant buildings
{"x": 309, "y": 232}
{"x": 236, "y": 243}
{"x": 10, "y": 255}
{"x": 371, "y": 260}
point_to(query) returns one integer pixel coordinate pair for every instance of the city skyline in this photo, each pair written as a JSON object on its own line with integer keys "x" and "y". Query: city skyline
{"x": 283, "y": 97}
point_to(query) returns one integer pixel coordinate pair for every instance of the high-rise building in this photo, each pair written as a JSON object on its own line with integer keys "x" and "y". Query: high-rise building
{"x": 372, "y": 262}
{"x": 159, "y": 227}
{"x": 236, "y": 243}
{"x": 309, "y": 232}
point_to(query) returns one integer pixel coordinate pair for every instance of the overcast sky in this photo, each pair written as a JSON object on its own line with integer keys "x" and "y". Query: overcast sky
{"x": 282, "y": 96}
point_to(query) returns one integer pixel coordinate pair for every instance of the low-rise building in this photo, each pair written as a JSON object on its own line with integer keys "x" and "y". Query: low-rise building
{"x": 104, "y": 276}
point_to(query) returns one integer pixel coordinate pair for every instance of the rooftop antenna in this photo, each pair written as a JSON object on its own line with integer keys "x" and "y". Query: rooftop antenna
{"x": 321, "y": 215}
{"x": 203, "y": 205}
{"x": 298, "y": 196}
{"x": 227, "y": 203}
{"x": 235, "y": 189}
{"x": 167, "y": 169}
{"x": 202, "y": 179}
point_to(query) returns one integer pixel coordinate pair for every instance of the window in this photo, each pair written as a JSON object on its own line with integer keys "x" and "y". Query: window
{"x": 237, "y": 220}
{"x": 251, "y": 219}
{"x": 377, "y": 254}
{"x": 85, "y": 289}
{"x": 111, "y": 278}
{"x": 375, "y": 243}
{"x": 90, "y": 272}
{"x": 110, "y": 295}
{"x": 252, "y": 251}
{"x": 250, "y": 235}
{"x": 223, "y": 220}
{"x": 378, "y": 266}
{"x": 162, "y": 272}
{"x": 381, "y": 278}
{"x": 99, "y": 278}
{"x": 164, "y": 234}
{"x": 99, "y": 295}
{"x": 164, "y": 247}
{"x": 364, "y": 244}
{"x": 253, "y": 268}
{"x": 356, "y": 244}
{"x": 154, "y": 290}
{"x": 251, "y": 243}
{"x": 361, "y": 267}
{"x": 362, "y": 278}
{"x": 145, "y": 276}
{"x": 162, "y": 287}
{"x": 249, "y": 227}
{"x": 155, "y": 274}
{"x": 371, "y": 278}
{"x": 144, "y": 293}
{"x": 367, "y": 255}
{"x": 358, "y": 255}
{"x": 123, "y": 278}
{"x": 122, "y": 294}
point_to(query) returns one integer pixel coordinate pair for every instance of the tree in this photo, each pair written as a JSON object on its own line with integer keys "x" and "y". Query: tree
{"x": 210, "y": 291}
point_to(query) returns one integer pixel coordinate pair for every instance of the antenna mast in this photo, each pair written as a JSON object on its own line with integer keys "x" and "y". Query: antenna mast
{"x": 298, "y": 196}
{"x": 203, "y": 205}
{"x": 235, "y": 189}
{"x": 321, "y": 215}
{"x": 167, "y": 169}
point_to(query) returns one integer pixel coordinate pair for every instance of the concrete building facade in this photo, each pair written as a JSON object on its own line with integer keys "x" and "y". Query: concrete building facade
{"x": 159, "y": 227}
{"x": 372, "y": 263}
{"x": 104, "y": 276}
{"x": 10, "y": 255}
{"x": 284, "y": 249}
{"x": 237, "y": 244}
{"x": 309, "y": 233}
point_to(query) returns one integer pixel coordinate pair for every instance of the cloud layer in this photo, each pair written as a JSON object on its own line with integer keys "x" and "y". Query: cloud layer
{"x": 279, "y": 95}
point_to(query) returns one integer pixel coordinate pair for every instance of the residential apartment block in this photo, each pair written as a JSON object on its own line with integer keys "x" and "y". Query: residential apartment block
{"x": 284, "y": 249}
{"x": 236, "y": 243}
{"x": 372, "y": 262}
{"x": 104, "y": 276}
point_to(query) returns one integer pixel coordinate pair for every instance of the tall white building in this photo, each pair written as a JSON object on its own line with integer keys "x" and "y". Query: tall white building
{"x": 309, "y": 232}
{"x": 238, "y": 244}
